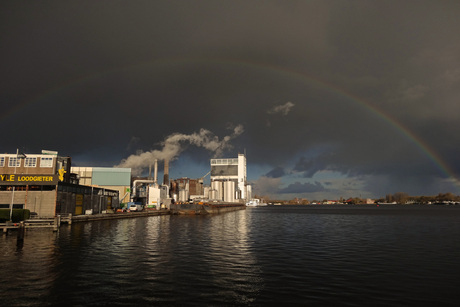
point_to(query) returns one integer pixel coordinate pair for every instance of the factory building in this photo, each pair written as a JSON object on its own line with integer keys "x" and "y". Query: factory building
{"x": 148, "y": 193}
{"x": 117, "y": 179}
{"x": 185, "y": 189}
{"x": 228, "y": 183}
{"x": 229, "y": 180}
{"x": 44, "y": 184}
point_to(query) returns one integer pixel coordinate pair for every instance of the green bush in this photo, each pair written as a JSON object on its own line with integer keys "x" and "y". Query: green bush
{"x": 17, "y": 216}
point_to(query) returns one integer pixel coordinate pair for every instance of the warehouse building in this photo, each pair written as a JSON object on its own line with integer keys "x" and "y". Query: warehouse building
{"x": 117, "y": 179}
{"x": 44, "y": 184}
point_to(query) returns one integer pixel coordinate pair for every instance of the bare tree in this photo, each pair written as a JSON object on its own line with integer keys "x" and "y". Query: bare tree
{"x": 401, "y": 197}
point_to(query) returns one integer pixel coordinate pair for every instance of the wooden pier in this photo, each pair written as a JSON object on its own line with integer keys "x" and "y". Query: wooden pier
{"x": 57, "y": 221}
{"x": 53, "y": 223}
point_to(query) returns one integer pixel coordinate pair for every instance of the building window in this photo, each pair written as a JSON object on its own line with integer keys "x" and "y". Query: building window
{"x": 30, "y": 162}
{"x": 224, "y": 161}
{"x": 46, "y": 162}
{"x": 14, "y": 162}
{"x": 2, "y": 161}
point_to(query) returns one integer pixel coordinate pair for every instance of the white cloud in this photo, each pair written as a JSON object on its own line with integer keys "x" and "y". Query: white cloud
{"x": 284, "y": 109}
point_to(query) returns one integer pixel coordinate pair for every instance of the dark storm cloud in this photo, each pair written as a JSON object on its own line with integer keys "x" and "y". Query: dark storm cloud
{"x": 277, "y": 172}
{"x": 300, "y": 188}
{"x": 366, "y": 89}
{"x": 309, "y": 167}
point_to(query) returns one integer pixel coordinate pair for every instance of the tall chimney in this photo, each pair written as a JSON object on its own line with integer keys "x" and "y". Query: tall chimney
{"x": 166, "y": 173}
{"x": 155, "y": 171}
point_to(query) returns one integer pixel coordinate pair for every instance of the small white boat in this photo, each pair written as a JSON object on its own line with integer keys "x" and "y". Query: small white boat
{"x": 255, "y": 203}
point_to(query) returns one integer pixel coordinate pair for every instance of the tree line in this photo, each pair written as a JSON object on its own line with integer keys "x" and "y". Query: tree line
{"x": 404, "y": 198}
{"x": 399, "y": 198}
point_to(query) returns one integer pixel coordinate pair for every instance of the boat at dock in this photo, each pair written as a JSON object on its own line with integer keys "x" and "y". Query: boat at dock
{"x": 255, "y": 202}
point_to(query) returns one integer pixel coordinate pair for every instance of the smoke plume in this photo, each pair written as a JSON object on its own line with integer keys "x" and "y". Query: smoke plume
{"x": 176, "y": 143}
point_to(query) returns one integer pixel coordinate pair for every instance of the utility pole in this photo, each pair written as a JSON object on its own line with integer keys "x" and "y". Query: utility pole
{"x": 12, "y": 194}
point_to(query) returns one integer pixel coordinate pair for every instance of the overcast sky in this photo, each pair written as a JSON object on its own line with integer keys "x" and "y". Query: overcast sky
{"x": 328, "y": 99}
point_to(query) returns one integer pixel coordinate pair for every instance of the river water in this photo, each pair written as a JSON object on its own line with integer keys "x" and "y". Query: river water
{"x": 294, "y": 255}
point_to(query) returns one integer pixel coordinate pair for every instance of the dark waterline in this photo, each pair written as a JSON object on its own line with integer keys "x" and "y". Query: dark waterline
{"x": 316, "y": 255}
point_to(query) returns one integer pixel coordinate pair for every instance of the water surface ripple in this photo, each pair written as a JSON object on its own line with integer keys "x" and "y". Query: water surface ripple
{"x": 292, "y": 255}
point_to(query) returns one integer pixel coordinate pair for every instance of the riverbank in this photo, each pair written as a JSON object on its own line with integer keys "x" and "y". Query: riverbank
{"x": 179, "y": 208}
{"x": 57, "y": 221}
{"x": 205, "y": 208}
{"x": 118, "y": 215}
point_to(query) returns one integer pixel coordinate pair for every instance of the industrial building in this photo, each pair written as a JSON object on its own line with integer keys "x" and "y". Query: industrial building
{"x": 228, "y": 183}
{"x": 185, "y": 189}
{"x": 44, "y": 184}
{"x": 48, "y": 185}
{"x": 229, "y": 180}
{"x": 148, "y": 194}
{"x": 117, "y": 179}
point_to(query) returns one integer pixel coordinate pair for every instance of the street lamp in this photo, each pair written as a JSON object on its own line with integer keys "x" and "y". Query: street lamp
{"x": 21, "y": 156}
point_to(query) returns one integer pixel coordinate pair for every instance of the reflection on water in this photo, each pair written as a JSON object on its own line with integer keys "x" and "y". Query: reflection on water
{"x": 235, "y": 271}
{"x": 272, "y": 255}
{"x": 27, "y": 271}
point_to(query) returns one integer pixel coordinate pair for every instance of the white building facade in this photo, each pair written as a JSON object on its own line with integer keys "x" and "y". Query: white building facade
{"x": 229, "y": 179}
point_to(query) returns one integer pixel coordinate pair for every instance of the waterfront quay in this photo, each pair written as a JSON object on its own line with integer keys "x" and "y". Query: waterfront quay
{"x": 176, "y": 209}
{"x": 205, "y": 208}
{"x": 118, "y": 215}
{"x": 58, "y": 220}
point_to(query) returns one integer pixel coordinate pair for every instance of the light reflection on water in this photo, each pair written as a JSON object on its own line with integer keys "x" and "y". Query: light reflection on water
{"x": 259, "y": 256}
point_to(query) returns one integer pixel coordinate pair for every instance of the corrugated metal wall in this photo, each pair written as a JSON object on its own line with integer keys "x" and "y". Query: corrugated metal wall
{"x": 111, "y": 176}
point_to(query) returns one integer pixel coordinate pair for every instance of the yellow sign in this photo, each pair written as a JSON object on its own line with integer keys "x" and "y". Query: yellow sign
{"x": 27, "y": 179}
{"x": 17, "y": 178}
{"x": 61, "y": 174}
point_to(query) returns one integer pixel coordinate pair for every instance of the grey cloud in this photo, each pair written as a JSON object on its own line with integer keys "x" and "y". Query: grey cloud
{"x": 299, "y": 188}
{"x": 277, "y": 172}
{"x": 309, "y": 167}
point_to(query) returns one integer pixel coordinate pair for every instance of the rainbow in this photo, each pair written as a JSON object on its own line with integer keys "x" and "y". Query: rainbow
{"x": 379, "y": 113}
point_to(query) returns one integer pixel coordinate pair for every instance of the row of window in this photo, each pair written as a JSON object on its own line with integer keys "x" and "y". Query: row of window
{"x": 224, "y": 161}
{"x": 28, "y": 162}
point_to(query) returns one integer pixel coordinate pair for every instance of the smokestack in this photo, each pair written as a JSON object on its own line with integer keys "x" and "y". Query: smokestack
{"x": 166, "y": 173}
{"x": 150, "y": 171}
{"x": 155, "y": 171}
